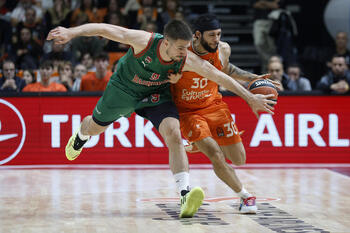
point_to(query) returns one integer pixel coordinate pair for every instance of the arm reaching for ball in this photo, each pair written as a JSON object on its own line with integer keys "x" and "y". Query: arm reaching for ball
{"x": 258, "y": 102}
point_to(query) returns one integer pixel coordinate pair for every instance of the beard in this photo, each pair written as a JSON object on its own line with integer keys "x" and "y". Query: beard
{"x": 207, "y": 47}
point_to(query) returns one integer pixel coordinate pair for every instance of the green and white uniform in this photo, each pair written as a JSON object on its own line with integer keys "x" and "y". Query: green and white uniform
{"x": 141, "y": 81}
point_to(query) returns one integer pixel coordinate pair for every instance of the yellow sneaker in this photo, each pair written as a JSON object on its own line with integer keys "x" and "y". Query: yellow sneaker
{"x": 71, "y": 153}
{"x": 191, "y": 202}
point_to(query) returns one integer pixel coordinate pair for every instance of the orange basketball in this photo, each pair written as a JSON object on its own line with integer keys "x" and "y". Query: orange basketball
{"x": 263, "y": 86}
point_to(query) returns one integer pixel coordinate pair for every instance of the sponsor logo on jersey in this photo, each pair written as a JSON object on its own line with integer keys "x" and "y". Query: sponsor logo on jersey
{"x": 220, "y": 132}
{"x": 140, "y": 81}
{"x": 194, "y": 95}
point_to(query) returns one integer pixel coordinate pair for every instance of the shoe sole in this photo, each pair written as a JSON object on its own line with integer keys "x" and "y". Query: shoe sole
{"x": 250, "y": 211}
{"x": 68, "y": 148}
{"x": 194, "y": 201}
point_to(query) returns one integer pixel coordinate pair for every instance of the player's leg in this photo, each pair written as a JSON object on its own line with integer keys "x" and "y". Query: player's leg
{"x": 192, "y": 199}
{"x": 88, "y": 127}
{"x": 164, "y": 117}
{"x": 222, "y": 169}
{"x": 169, "y": 129}
{"x": 236, "y": 154}
{"x": 226, "y": 134}
{"x": 105, "y": 112}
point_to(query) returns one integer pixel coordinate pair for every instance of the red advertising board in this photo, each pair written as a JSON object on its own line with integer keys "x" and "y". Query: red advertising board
{"x": 304, "y": 129}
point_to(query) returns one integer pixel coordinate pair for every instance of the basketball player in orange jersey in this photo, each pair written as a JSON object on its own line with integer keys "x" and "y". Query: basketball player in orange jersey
{"x": 205, "y": 119}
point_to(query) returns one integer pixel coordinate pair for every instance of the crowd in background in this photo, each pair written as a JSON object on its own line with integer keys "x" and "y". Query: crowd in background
{"x": 29, "y": 63}
{"x": 275, "y": 32}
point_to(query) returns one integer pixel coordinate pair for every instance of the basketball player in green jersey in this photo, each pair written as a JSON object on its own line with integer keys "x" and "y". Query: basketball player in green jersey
{"x": 144, "y": 71}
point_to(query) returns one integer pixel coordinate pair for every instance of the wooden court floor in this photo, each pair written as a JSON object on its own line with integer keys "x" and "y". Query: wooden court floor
{"x": 144, "y": 200}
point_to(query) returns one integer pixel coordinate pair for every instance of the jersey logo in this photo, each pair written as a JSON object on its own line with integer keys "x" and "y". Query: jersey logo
{"x": 147, "y": 61}
{"x": 155, "y": 98}
{"x": 155, "y": 76}
{"x": 220, "y": 132}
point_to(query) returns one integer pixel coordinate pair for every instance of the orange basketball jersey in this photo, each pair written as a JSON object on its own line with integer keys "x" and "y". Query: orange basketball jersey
{"x": 193, "y": 91}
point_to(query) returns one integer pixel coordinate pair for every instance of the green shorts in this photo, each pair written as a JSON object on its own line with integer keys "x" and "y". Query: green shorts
{"x": 116, "y": 103}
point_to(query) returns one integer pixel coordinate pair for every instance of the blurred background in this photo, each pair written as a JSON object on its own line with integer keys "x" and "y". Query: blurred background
{"x": 303, "y": 44}
{"x": 302, "y": 33}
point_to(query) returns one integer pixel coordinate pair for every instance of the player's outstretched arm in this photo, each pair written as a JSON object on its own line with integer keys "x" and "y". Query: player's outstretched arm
{"x": 204, "y": 68}
{"x": 230, "y": 69}
{"x": 136, "y": 38}
{"x": 238, "y": 73}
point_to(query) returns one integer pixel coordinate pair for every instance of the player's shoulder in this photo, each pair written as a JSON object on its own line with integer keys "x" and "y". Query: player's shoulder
{"x": 224, "y": 44}
{"x": 224, "y": 47}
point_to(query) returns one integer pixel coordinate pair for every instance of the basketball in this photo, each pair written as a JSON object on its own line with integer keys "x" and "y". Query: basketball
{"x": 263, "y": 86}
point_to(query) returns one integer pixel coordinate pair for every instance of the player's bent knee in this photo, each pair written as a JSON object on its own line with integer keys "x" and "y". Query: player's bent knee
{"x": 216, "y": 157}
{"x": 171, "y": 134}
{"x": 240, "y": 159}
{"x": 174, "y": 136}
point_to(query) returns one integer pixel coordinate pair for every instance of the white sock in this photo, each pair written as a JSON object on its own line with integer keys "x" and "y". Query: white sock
{"x": 82, "y": 136}
{"x": 182, "y": 180}
{"x": 244, "y": 193}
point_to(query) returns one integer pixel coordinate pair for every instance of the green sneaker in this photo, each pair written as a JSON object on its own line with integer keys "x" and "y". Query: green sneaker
{"x": 71, "y": 153}
{"x": 191, "y": 202}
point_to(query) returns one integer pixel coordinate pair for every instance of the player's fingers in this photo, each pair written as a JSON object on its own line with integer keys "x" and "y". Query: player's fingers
{"x": 271, "y": 102}
{"x": 269, "y": 107}
{"x": 269, "y": 96}
{"x": 256, "y": 114}
{"x": 59, "y": 41}
{"x": 50, "y": 36}
{"x": 277, "y": 84}
{"x": 265, "y": 76}
{"x": 269, "y": 111}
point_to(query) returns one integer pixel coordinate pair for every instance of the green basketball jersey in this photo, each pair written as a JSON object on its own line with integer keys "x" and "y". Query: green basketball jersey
{"x": 145, "y": 73}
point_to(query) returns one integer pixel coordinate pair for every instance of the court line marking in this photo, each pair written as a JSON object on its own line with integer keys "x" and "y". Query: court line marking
{"x": 207, "y": 199}
{"x": 166, "y": 166}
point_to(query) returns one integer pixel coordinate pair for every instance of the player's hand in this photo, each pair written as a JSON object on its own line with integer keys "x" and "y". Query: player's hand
{"x": 276, "y": 83}
{"x": 60, "y": 35}
{"x": 192, "y": 148}
{"x": 262, "y": 103}
{"x": 174, "y": 78}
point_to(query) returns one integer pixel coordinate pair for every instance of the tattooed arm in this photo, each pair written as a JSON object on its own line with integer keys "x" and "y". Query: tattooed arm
{"x": 230, "y": 69}
{"x": 238, "y": 74}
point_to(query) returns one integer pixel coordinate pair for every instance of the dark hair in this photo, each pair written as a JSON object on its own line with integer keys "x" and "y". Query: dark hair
{"x": 177, "y": 30}
{"x": 337, "y": 56}
{"x": 82, "y": 56}
{"x": 101, "y": 56}
{"x": 63, "y": 64}
{"x": 46, "y": 64}
{"x": 206, "y": 22}
{"x": 32, "y": 73}
{"x": 82, "y": 6}
{"x": 294, "y": 65}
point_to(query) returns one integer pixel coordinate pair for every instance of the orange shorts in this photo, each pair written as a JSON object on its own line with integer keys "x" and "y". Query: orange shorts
{"x": 215, "y": 121}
